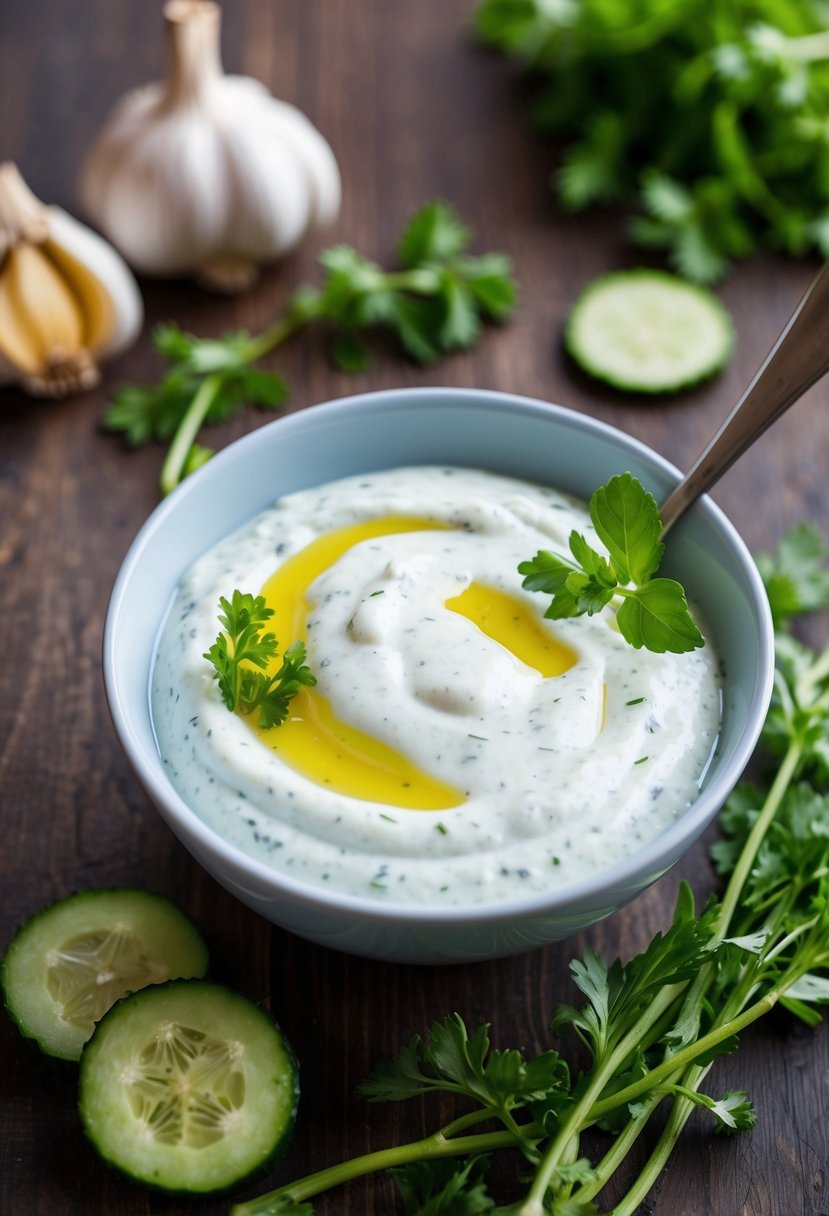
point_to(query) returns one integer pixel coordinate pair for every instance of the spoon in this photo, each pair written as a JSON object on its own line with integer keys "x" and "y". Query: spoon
{"x": 799, "y": 358}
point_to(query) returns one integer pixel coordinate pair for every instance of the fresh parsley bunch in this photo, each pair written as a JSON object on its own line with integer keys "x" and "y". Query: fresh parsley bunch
{"x": 436, "y": 302}
{"x": 706, "y": 119}
{"x": 654, "y": 612}
{"x": 241, "y": 655}
{"x": 653, "y": 1026}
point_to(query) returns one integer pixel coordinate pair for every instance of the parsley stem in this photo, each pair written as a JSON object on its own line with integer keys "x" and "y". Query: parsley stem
{"x": 817, "y": 672}
{"x": 421, "y": 282}
{"x": 745, "y": 861}
{"x": 276, "y": 334}
{"x": 618, "y": 1151}
{"x": 437, "y": 1145}
{"x": 808, "y": 47}
{"x": 186, "y": 433}
{"x": 686, "y": 1056}
{"x": 680, "y": 1112}
{"x": 585, "y": 1110}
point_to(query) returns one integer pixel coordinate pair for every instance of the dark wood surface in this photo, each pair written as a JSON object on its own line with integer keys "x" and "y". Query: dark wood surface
{"x": 413, "y": 111}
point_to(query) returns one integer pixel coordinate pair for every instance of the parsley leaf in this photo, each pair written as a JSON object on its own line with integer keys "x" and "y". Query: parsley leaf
{"x": 453, "y": 1061}
{"x": 617, "y": 994}
{"x": 656, "y": 616}
{"x": 654, "y": 612}
{"x": 241, "y": 655}
{"x": 433, "y": 234}
{"x": 732, "y": 1113}
{"x": 626, "y": 519}
{"x": 443, "y": 1188}
{"x": 796, "y": 578}
{"x": 155, "y": 412}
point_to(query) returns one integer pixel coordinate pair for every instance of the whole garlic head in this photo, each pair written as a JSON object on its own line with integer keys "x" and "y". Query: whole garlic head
{"x": 206, "y": 173}
{"x": 67, "y": 299}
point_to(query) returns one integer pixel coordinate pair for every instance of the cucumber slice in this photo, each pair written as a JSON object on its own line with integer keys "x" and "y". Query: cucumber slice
{"x": 648, "y": 331}
{"x": 188, "y": 1087}
{"x": 72, "y": 961}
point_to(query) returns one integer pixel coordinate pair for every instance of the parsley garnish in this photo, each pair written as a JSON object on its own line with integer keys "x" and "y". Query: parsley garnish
{"x": 436, "y": 302}
{"x": 652, "y": 1027}
{"x": 653, "y": 612}
{"x": 241, "y": 655}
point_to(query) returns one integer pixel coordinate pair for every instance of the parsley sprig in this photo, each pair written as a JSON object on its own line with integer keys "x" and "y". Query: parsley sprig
{"x": 436, "y": 302}
{"x": 705, "y": 121}
{"x": 654, "y": 1026}
{"x": 241, "y": 655}
{"x": 654, "y": 612}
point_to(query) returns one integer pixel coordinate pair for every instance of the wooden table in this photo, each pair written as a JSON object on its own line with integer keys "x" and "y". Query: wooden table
{"x": 413, "y": 111}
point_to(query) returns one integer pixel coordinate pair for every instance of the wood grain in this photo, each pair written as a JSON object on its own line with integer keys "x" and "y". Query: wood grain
{"x": 413, "y": 111}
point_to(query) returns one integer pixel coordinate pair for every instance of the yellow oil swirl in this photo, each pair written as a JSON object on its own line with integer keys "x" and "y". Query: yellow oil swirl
{"x": 508, "y": 621}
{"x": 313, "y": 740}
{"x": 329, "y": 752}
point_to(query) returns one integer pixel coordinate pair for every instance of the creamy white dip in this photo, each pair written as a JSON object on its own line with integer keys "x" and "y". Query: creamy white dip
{"x": 561, "y": 779}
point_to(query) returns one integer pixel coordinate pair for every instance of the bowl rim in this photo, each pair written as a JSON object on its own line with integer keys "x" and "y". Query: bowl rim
{"x": 645, "y": 865}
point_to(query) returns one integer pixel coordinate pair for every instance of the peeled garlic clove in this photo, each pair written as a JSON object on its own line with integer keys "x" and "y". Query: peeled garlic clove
{"x": 205, "y": 173}
{"x": 39, "y": 315}
{"x": 66, "y": 298}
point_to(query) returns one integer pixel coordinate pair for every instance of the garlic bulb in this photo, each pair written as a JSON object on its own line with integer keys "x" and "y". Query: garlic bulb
{"x": 207, "y": 173}
{"x": 66, "y": 297}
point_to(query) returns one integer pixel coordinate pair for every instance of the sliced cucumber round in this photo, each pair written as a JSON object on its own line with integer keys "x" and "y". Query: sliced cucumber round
{"x": 72, "y": 961}
{"x": 648, "y": 331}
{"x": 188, "y": 1087}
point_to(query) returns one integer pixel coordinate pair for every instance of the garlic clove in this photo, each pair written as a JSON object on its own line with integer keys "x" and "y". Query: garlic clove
{"x": 315, "y": 155}
{"x": 165, "y": 199}
{"x": 271, "y": 180}
{"x": 107, "y": 291}
{"x": 207, "y": 173}
{"x": 66, "y": 298}
{"x": 38, "y": 313}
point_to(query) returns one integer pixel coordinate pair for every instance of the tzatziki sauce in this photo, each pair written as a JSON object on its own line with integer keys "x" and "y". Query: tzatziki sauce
{"x": 555, "y": 777}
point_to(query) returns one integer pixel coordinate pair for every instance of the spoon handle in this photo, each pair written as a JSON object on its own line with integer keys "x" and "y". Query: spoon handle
{"x": 799, "y": 357}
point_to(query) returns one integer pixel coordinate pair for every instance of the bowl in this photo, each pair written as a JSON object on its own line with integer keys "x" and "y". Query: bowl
{"x": 502, "y": 433}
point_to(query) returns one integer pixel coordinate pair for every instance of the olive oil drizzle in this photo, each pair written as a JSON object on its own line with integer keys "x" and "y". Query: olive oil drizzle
{"x": 337, "y": 756}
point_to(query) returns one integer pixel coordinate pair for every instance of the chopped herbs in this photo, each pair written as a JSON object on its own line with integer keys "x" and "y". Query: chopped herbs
{"x": 635, "y": 701}
{"x": 654, "y": 612}
{"x": 241, "y": 654}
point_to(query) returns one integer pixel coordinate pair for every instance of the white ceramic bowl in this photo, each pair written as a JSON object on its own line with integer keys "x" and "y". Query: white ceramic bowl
{"x": 506, "y": 434}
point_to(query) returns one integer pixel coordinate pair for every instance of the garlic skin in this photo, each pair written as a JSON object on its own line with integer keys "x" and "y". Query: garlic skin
{"x": 205, "y": 173}
{"x": 67, "y": 300}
